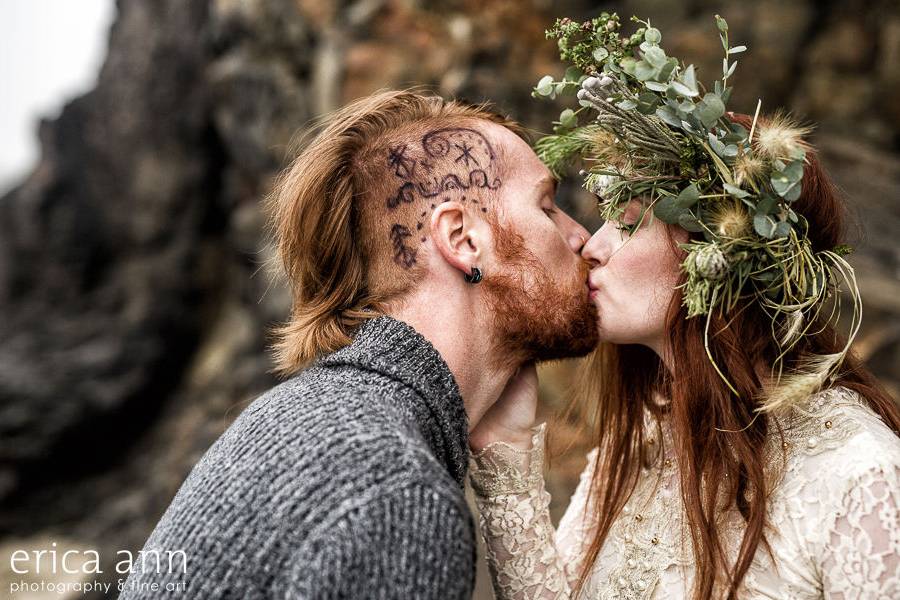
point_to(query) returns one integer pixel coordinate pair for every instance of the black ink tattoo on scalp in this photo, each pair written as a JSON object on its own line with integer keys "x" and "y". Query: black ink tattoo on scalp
{"x": 465, "y": 153}
{"x": 403, "y": 254}
{"x": 406, "y": 193}
{"x": 446, "y": 161}
{"x": 404, "y": 166}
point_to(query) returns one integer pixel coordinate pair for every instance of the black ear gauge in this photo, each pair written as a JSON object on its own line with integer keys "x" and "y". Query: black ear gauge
{"x": 475, "y": 277}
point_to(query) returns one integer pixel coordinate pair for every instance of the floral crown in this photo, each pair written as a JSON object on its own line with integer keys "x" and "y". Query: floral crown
{"x": 653, "y": 131}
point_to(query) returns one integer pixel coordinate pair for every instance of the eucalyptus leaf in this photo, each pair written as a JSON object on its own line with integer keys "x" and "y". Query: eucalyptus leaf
{"x": 734, "y": 138}
{"x": 767, "y": 205}
{"x": 644, "y": 70}
{"x": 573, "y": 74}
{"x": 629, "y": 64}
{"x": 688, "y": 197}
{"x": 568, "y": 119}
{"x": 545, "y": 85}
{"x": 655, "y": 56}
{"x": 726, "y": 95}
{"x": 667, "y": 114}
{"x": 667, "y": 210}
{"x": 794, "y": 170}
{"x": 689, "y": 222}
{"x": 684, "y": 90}
{"x": 735, "y": 191}
{"x": 689, "y": 77}
{"x": 782, "y": 229}
{"x": 783, "y": 186}
{"x": 686, "y": 106}
{"x": 656, "y": 86}
{"x": 647, "y": 103}
{"x": 666, "y": 71}
{"x": 653, "y": 35}
{"x": 714, "y": 143}
{"x": 793, "y": 193}
{"x": 709, "y": 110}
{"x": 626, "y": 104}
{"x": 792, "y": 215}
{"x": 764, "y": 226}
{"x": 600, "y": 54}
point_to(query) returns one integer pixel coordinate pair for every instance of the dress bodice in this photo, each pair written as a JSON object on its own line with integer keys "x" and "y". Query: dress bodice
{"x": 832, "y": 516}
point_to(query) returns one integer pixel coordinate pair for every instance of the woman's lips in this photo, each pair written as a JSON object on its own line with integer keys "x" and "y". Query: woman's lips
{"x": 593, "y": 288}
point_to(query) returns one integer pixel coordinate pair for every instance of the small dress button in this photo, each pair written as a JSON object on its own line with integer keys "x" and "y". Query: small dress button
{"x": 641, "y": 585}
{"x": 812, "y": 442}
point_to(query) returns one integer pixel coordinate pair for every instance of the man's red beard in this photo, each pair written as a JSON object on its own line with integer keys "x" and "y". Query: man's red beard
{"x": 536, "y": 316}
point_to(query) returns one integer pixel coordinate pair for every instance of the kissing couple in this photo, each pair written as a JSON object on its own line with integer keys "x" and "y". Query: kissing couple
{"x": 431, "y": 268}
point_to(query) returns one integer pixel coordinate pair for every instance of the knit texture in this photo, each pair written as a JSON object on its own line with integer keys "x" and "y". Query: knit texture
{"x": 345, "y": 481}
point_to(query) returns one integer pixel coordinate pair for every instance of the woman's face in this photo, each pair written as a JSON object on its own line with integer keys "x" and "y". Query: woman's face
{"x": 633, "y": 277}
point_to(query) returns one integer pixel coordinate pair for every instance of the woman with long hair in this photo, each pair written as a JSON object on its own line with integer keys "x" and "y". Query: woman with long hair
{"x": 740, "y": 448}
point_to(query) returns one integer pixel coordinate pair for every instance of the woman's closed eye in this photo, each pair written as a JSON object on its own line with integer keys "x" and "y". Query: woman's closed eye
{"x": 627, "y": 227}
{"x": 549, "y": 212}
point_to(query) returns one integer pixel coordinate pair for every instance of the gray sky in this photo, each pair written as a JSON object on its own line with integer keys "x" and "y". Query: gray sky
{"x": 50, "y": 52}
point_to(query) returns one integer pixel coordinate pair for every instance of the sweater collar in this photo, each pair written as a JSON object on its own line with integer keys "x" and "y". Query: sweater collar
{"x": 395, "y": 349}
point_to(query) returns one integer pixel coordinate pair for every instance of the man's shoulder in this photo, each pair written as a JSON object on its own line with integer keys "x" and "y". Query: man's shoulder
{"x": 317, "y": 425}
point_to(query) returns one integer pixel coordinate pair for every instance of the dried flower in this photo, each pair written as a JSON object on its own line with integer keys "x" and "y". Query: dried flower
{"x": 749, "y": 168}
{"x": 710, "y": 262}
{"x": 730, "y": 220}
{"x": 781, "y": 138}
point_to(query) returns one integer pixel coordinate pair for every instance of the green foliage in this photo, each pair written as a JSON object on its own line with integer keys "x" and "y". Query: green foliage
{"x": 656, "y": 133}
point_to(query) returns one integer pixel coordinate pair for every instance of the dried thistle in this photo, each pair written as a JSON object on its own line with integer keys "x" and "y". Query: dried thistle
{"x": 750, "y": 169}
{"x": 781, "y": 138}
{"x": 729, "y": 219}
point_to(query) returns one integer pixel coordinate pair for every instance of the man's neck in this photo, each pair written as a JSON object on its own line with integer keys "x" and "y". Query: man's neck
{"x": 463, "y": 337}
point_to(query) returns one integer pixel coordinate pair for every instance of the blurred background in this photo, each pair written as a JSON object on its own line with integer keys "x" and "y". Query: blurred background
{"x": 140, "y": 136}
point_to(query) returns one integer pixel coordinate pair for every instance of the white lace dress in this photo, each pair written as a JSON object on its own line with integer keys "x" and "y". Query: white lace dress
{"x": 833, "y": 515}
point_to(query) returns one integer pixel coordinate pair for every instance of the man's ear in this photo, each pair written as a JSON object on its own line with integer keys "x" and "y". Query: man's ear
{"x": 458, "y": 236}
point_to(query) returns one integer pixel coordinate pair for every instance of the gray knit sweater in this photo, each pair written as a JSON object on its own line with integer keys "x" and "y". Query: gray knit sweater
{"x": 345, "y": 481}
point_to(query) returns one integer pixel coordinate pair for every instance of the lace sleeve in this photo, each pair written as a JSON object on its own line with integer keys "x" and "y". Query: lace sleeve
{"x": 527, "y": 559}
{"x": 862, "y": 552}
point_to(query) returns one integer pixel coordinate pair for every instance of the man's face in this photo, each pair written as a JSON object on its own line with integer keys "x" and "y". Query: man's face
{"x": 539, "y": 293}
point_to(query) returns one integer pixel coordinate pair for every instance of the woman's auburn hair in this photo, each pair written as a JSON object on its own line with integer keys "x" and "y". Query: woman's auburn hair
{"x": 717, "y": 440}
{"x": 322, "y": 246}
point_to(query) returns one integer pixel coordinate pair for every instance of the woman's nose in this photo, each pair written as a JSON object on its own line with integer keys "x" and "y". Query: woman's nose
{"x": 594, "y": 250}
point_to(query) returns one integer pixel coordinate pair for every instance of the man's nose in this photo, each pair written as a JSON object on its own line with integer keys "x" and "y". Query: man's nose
{"x": 576, "y": 235}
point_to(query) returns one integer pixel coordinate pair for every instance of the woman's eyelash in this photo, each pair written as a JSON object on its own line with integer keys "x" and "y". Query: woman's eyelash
{"x": 629, "y": 227}
{"x": 550, "y": 211}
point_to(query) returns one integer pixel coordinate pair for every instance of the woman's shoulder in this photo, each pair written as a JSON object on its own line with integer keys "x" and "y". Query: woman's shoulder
{"x": 836, "y": 434}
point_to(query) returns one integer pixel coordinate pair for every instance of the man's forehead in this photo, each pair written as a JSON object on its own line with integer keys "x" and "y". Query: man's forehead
{"x": 518, "y": 156}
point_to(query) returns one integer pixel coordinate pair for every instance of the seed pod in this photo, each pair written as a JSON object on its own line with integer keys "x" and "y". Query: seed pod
{"x": 710, "y": 262}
